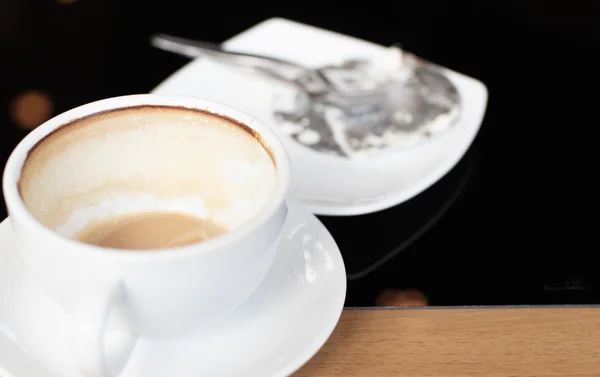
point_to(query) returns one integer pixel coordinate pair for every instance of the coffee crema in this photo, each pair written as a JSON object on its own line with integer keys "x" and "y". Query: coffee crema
{"x": 147, "y": 159}
{"x": 149, "y": 230}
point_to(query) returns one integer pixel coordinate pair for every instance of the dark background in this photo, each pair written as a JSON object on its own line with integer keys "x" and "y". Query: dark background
{"x": 522, "y": 229}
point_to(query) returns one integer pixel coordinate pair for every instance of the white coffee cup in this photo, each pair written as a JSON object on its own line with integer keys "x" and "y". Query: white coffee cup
{"x": 117, "y": 296}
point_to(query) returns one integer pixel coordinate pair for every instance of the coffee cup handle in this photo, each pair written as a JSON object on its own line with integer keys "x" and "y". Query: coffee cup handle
{"x": 91, "y": 320}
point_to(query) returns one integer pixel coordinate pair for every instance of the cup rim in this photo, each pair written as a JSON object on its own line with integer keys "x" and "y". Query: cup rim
{"x": 18, "y": 210}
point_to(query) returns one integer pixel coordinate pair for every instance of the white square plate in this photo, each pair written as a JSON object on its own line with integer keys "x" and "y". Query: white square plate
{"x": 329, "y": 185}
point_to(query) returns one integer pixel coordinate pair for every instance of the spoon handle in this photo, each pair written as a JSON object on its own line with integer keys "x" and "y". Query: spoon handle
{"x": 194, "y": 48}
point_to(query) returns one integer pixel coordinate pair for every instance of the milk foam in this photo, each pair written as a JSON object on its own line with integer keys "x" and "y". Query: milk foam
{"x": 147, "y": 159}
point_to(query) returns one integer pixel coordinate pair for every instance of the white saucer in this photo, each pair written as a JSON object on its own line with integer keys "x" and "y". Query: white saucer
{"x": 325, "y": 184}
{"x": 281, "y": 327}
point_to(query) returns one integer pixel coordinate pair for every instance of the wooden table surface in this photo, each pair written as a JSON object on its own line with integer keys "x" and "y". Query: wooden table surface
{"x": 490, "y": 342}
